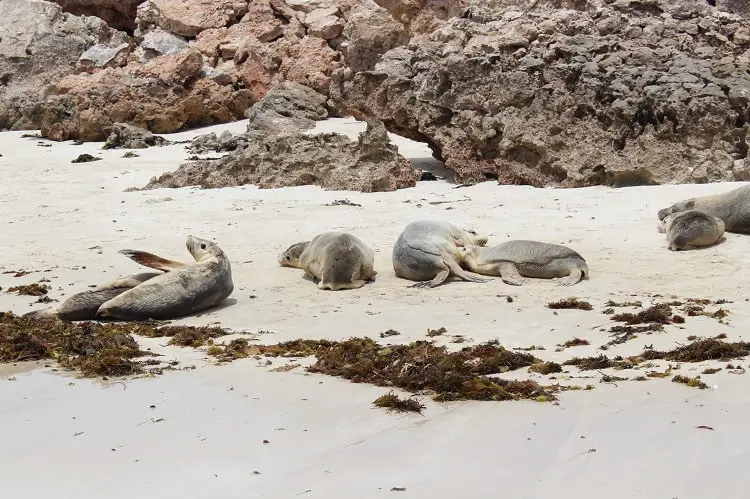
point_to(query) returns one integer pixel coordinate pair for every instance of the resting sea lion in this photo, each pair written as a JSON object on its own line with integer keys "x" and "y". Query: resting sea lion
{"x": 691, "y": 229}
{"x": 732, "y": 207}
{"x": 334, "y": 260}
{"x": 184, "y": 288}
{"x": 428, "y": 251}
{"x": 83, "y": 306}
{"x": 513, "y": 260}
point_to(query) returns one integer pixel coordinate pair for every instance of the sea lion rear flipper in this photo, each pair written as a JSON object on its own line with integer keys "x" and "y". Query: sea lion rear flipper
{"x": 456, "y": 269}
{"x": 509, "y": 274}
{"x": 150, "y": 260}
{"x": 575, "y": 276}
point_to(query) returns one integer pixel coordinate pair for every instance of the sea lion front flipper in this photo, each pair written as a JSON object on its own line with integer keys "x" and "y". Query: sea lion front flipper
{"x": 509, "y": 274}
{"x": 150, "y": 260}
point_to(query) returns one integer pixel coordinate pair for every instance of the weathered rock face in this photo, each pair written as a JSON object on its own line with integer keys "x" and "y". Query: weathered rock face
{"x": 571, "y": 93}
{"x": 39, "y": 43}
{"x": 289, "y": 159}
{"x": 163, "y": 95}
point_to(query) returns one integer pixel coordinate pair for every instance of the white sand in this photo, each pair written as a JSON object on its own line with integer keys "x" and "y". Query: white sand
{"x": 66, "y": 222}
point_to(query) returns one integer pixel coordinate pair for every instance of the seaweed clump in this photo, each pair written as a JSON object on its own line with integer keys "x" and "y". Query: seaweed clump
{"x": 421, "y": 366}
{"x": 393, "y": 402}
{"x": 571, "y": 302}
{"x": 546, "y": 368}
{"x": 183, "y": 336}
{"x": 599, "y": 362}
{"x": 692, "y": 382}
{"x": 33, "y": 289}
{"x": 661, "y": 313}
{"x": 91, "y": 348}
{"x": 575, "y": 342}
{"x": 700, "y": 350}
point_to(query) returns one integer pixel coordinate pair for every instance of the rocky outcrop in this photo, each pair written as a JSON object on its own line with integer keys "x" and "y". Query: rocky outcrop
{"x": 39, "y": 44}
{"x": 289, "y": 159}
{"x": 246, "y": 48}
{"x": 570, "y": 93}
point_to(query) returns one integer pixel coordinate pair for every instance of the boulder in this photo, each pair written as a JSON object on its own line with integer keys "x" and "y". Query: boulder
{"x": 158, "y": 42}
{"x": 124, "y": 136}
{"x": 103, "y": 55}
{"x": 287, "y": 107}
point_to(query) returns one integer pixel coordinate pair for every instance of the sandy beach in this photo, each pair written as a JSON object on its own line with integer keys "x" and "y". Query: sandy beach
{"x": 202, "y": 433}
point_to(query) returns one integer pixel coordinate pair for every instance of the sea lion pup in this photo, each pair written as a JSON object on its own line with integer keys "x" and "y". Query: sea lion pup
{"x": 334, "y": 260}
{"x": 83, "y": 306}
{"x": 428, "y": 251}
{"x": 513, "y": 260}
{"x": 184, "y": 288}
{"x": 691, "y": 229}
{"x": 732, "y": 207}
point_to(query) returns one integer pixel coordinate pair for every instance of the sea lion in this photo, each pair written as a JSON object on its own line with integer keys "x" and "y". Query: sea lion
{"x": 184, "y": 288}
{"x": 732, "y": 207}
{"x": 691, "y": 229}
{"x": 83, "y": 306}
{"x": 334, "y": 260}
{"x": 428, "y": 251}
{"x": 513, "y": 260}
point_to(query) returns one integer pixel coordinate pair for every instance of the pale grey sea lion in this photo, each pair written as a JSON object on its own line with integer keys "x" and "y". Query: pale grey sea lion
{"x": 691, "y": 229}
{"x": 184, "y": 288}
{"x": 334, "y": 260}
{"x": 83, "y": 306}
{"x": 513, "y": 260}
{"x": 428, "y": 251}
{"x": 732, "y": 207}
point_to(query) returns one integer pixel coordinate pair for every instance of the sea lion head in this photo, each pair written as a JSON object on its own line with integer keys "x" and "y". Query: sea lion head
{"x": 290, "y": 256}
{"x": 476, "y": 238}
{"x": 681, "y": 206}
{"x": 202, "y": 248}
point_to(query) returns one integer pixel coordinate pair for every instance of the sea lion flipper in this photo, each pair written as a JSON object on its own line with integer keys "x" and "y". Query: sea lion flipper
{"x": 153, "y": 261}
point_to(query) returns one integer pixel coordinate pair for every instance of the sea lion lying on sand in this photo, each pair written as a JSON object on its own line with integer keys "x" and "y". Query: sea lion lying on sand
{"x": 428, "y": 251}
{"x": 732, "y": 207}
{"x": 513, "y": 260}
{"x": 334, "y": 260}
{"x": 182, "y": 289}
{"x": 691, "y": 229}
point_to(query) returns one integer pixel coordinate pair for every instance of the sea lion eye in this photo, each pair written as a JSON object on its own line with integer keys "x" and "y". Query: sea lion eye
{"x": 203, "y": 245}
